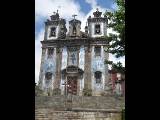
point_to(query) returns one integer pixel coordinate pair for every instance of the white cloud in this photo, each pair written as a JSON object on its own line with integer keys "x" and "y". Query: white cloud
{"x": 45, "y": 8}
{"x": 93, "y": 3}
{"x": 114, "y": 6}
{"x": 66, "y": 8}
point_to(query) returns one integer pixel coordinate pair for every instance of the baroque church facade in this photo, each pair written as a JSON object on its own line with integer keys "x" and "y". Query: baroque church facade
{"x": 73, "y": 61}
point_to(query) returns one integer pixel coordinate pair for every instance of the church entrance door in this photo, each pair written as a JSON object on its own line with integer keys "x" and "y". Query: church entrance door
{"x": 72, "y": 85}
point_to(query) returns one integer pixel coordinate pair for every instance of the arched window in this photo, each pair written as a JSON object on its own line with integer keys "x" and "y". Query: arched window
{"x": 98, "y": 76}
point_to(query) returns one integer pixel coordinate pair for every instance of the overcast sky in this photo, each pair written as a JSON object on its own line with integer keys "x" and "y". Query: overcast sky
{"x": 83, "y": 8}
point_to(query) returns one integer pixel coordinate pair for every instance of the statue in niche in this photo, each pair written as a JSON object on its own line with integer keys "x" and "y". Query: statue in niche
{"x": 74, "y": 29}
{"x": 62, "y": 33}
{"x": 74, "y": 25}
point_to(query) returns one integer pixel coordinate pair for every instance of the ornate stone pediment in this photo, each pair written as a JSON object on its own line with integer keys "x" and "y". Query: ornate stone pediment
{"x": 72, "y": 69}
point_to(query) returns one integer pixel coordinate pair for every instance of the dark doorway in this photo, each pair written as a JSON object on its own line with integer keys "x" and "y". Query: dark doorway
{"x": 72, "y": 85}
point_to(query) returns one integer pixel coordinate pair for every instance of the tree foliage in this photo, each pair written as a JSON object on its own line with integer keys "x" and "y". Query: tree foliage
{"x": 117, "y": 40}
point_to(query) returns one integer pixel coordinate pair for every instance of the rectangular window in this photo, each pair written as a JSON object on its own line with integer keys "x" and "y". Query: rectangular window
{"x": 97, "y": 29}
{"x": 97, "y": 51}
{"x": 52, "y": 32}
{"x": 98, "y": 76}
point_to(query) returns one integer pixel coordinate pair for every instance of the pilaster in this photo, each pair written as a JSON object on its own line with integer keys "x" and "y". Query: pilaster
{"x": 58, "y": 68}
{"x": 87, "y": 68}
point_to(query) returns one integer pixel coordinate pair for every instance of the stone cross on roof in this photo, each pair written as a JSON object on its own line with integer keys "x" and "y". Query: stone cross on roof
{"x": 74, "y": 16}
{"x": 97, "y": 9}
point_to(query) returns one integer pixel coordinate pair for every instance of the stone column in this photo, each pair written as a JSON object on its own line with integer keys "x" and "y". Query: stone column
{"x": 104, "y": 67}
{"x": 87, "y": 68}
{"x": 58, "y": 68}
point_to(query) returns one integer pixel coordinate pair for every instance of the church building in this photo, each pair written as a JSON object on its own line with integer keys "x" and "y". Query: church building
{"x": 72, "y": 61}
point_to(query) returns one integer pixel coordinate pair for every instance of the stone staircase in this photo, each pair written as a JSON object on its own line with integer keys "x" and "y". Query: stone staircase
{"x": 50, "y": 114}
{"x": 56, "y": 115}
{"x": 81, "y": 108}
{"x": 40, "y": 115}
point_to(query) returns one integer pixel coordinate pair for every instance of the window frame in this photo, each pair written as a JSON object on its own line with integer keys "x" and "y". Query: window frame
{"x": 51, "y": 28}
{"x": 99, "y": 26}
{"x": 98, "y": 77}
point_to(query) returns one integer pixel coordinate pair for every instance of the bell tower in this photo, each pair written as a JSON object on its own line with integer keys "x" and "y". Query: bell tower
{"x": 55, "y": 27}
{"x": 55, "y": 30}
{"x": 97, "y": 25}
